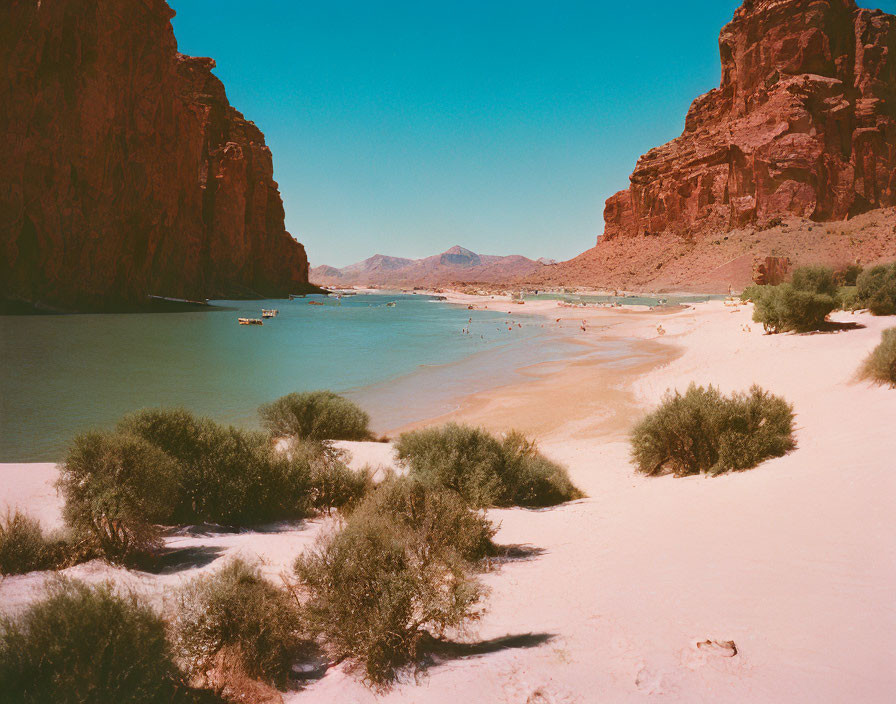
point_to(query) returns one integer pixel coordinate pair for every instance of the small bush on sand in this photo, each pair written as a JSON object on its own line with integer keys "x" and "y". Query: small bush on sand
{"x": 484, "y": 470}
{"x": 704, "y": 431}
{"x": 226, "y": 475}
{"x": 800, "y": 306}
{"x": 236, "y": 612}
{"x": 815, "y": 279}
{"x": 849, "y": 275}
{"x": 440, "y": 517}
{"x": 782, "y": 308}
{"x": 376, "y": 589}
{"x": 315, "y": 415}
{"x": 331, "y": 483}
{"x": 880, "y": 365}
{"x": 876, "y": 289}
{"x": 117, "y": 488}
{"x": 24, "y": 547}
{"x": 85, "y": 644}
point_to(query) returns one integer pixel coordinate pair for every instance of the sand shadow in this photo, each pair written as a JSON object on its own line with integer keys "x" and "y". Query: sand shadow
{"x": 516, "y": 552}
{"x": 173, "y": 560}
{"x": 830, "y": 326}
{"x": 439, "y": 650}
{"x": 312, "y": 668}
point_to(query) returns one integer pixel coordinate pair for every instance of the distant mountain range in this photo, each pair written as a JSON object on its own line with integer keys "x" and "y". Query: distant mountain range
{"x": 456, "y": 265}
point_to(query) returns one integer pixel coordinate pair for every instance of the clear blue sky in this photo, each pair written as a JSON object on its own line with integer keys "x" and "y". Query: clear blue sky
{"x": 404, "y": 128}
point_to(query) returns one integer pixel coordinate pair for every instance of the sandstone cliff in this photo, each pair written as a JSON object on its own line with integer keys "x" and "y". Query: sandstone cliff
{"x": 125, "y": 170}
{"x": 804, "y": 123}
{"x": 799, "y": 138}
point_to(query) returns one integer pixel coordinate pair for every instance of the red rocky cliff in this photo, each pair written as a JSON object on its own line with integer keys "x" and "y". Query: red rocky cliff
{"x": 125, "y": 170}
{"x": 803, "y": 124}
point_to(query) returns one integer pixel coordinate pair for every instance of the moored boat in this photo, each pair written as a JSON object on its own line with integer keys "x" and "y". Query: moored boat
{"x": 269, "y": 313}
{"x": 250, "y": 321}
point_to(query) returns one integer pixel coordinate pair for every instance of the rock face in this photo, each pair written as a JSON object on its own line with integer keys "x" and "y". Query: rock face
{"x": 126, "y": 172}
{"x": 803, "y": 124}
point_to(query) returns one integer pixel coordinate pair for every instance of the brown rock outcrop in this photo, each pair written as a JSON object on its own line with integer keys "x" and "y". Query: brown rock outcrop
{"x": 803, "y": 124}
{"x": 125, "y": 170}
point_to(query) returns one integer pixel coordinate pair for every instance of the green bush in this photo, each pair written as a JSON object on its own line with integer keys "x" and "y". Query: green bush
{"x": 815, "y": 279}
{"x": 375, "y": 589}
{"x": 226, "y": 475}
{"x": 329, "y": 482}
{"x": 484, "y": 470}
{"x": 85, "y": 644}
{"x": 704, "y": 431}
{"x": 24, "y": 547}
{"x": 236, "y": 610}
{"x": 117, "y": 489}
{"x": 783, "y": 307}
{"x": 800, "y": 306}
{"x": 531, "y": 478}
{"x": 876, "y": 289}
{"x": 440, "y": 517}
{"x": 880, "y": 365}
{"x": 315, "y": 415}
{"x": 849, "y": 275}
{"x": 751, "y": 292}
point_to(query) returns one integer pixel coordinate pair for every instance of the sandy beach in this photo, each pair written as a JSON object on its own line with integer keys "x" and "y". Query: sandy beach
{"x": 615, "y": 594}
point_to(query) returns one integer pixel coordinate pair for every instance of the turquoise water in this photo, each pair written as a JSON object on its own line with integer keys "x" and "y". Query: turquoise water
{"x": 63, "y": 374}
{"x": 633, "y": 300}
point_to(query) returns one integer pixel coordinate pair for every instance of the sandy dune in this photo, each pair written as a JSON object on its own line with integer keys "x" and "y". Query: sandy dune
{"x": 794, "y": 561}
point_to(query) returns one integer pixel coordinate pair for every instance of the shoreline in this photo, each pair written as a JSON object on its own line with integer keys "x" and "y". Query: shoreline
{"x": 795, "y": 560}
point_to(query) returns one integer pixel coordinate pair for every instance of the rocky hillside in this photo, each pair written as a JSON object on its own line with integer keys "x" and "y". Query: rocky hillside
{"x": 125, "y": 170}
{"x": 456, "y": 265}
{"x": 803, "y": 126}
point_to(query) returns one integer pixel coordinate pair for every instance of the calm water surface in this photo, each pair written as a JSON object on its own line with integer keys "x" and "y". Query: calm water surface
{"x": 62, "y": 374}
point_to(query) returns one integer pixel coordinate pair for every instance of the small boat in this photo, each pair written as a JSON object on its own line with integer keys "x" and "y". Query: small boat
{"x": 250, "y": 321}
{"x": 293, "y": 296}
{"x": 315, "y": 303}
{"x": 390, "y": 304}
{"x": 269, "y": 313}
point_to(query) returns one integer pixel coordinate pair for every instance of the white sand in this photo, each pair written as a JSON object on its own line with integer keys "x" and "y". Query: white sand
{"x": 795, "y": 561}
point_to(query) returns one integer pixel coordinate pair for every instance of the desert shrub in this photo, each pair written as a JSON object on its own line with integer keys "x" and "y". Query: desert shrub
{"x": 375, "y": 590}
{"x": 117, "y": 488}
{"x": 876, "y": 289}
{"x": 800, "y": 306}
{"x": 237, "y": 612}
{"x": 226, "y": 475}
{"x": 880, "y": 365}
{"x": 85, "y": 644}
{"x": 315, "y": 415}
{"x": 750, "y": 292}
{"x": 783, "y": 307}
{"x": 704, "y": 431}
{"x": 847, "y": 298}
{"x": 24, "y": 547}
{"x": 850, "y": 274}
{"x": 440, "y": 517}
{"x": 531, "y": 478}
{"x": 482, "y": 469}
{"x": 815, "y": 279}
{"x": 333, "y": 484}
{"x": 247, "y": 483}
